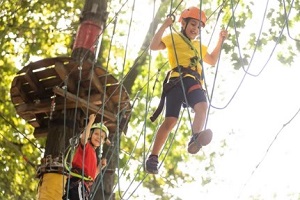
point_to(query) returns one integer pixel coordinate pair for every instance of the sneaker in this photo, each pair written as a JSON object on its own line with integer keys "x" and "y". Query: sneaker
{"x": 198, "y": 140}
{"x": 151, "y": 165}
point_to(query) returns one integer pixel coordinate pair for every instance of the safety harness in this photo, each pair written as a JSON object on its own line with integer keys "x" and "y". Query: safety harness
{"x": 73, "y": 172}
{"x": 168, "y": 83}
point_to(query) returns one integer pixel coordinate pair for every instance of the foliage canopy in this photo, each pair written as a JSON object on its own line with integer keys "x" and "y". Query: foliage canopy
{"x": 31, "y": 30}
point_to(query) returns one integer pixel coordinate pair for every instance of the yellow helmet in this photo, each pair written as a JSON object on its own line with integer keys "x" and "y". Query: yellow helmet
{"x": 100, "y": 126}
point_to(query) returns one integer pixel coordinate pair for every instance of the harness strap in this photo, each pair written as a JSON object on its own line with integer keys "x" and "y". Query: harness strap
{"x": 162, "y": 98}
{"x": 187, "y": 70}
{"x": 72, "y": 171}
{"x": 168, "y": 85}
{"x": 194, "y": 87}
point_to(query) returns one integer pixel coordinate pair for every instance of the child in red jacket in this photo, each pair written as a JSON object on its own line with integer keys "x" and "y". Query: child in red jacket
{"x": 86, "y": 164}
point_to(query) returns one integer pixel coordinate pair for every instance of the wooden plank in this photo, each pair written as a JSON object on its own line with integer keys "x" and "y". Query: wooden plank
{"x": 33, "y": 82}
{"x": 96, "y": 82}
{"x": 84, "y": 103}
{"x": 44, "y": 63}
{"x": 64, "y": 75}
{"x": 41, "y": 107}
{"x": 45, "y": 72}
{"x": 16, "y": 91}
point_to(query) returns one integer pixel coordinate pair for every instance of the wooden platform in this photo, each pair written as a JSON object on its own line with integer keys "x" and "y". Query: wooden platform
{"x": 71, "y": 85}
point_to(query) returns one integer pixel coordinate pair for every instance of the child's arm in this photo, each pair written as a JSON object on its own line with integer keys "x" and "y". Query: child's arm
{"x": 86, "y": 133}
{"x": 156, "y": 43}
{"x": 102, "y": 164}
{"x": 212, "y": 58}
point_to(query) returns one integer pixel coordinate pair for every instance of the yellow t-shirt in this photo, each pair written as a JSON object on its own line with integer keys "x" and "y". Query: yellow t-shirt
{"x": 184, "y": 52}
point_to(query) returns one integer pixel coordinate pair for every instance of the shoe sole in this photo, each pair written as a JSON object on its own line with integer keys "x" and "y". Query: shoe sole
{"x": 203, "y": 139}
{"x": 150, "y": 172}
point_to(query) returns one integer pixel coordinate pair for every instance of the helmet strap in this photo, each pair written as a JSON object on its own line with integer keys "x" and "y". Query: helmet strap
{"x": 183, "y": 29}
{"x": 90, "y": 138}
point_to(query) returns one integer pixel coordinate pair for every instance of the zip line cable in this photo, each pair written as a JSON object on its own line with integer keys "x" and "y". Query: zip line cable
{"x": 244, "y": 76}
{"x": 100, "y": 182}
{"x": 121, "y": 83}
{"x": 257, "y": 42}
{"x": 16, "y": 129}
{"x": 148, "y": 100}
{"x": 15, "y": 147}
{"x": 267, "y": 151}
{"x": 119, "y": 190}
{"x": 256, "y": 45}
{"x": 148, "y": 80}
{"x": 283, "y": 126}
{"x": 287, "y": 17}
{"x": 216, "y": 72}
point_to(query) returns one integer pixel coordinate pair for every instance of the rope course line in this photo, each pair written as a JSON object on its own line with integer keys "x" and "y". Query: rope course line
{"x": 252, "y": 57}
{"x": 98, "y": 182}
{"x": 77, "y": 95}
{"x": 287, "y": 17}
{"x": 245, "y": 70}
{"x": 14, "y": 146}
{"x": 149, "y": 97}
{"x": 16, "y": 129}
{"x": 267, "y": 151}
{"x": 128, "y": 160}
{"x": 136, "y": 175}
{"x": 163, "y": 158}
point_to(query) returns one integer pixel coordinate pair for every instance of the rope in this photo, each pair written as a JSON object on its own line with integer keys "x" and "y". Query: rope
{"x": 19, "y": 132}
{"x": 245, "y": 74}
{"x": 72, "y": 149}
{"x": 287, "y": 17}
{"x": 139, "y": 170}
{"x": 180, "y": 76}
{"x": 148, "y": 99}
{"x": 267, "y": 151}
{"x": 25, "y": 158}
{"x": 98, "y": 182}
{"x": 90, "y": 85}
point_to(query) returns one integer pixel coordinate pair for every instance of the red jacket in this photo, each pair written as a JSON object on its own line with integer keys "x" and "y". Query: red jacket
{"x": 90, "y": 160}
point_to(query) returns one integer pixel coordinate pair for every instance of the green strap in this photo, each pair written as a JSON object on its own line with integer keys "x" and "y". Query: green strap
{"x": 189, "y": 43}
{"x": 69, "y": 170}
{"x": 195, "y": 51}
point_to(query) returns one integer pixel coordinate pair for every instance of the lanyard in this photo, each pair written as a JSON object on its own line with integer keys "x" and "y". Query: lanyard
{"x": 186, "y": 40}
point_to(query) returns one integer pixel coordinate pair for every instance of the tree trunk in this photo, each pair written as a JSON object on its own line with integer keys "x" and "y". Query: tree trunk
{"x": 65, "y": 125}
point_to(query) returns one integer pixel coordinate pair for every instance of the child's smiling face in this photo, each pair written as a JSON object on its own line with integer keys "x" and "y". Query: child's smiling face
{"x": 192, "y": 28}
{"x": 98, "y": 137}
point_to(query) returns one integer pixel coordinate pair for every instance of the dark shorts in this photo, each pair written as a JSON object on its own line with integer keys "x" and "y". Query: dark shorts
{"x": 75, "y": 189}
{"x": 175, "y": 97}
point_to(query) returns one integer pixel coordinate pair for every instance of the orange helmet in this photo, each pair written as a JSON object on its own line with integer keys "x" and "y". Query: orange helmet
{"x": 193, "y": 12}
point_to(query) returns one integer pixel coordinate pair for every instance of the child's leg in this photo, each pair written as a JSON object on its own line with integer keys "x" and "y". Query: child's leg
{"x": 200, "y": 116}
{"x": 173, "y": 105}
{"x": 72, "y": 189}
{"x": 162, "y": 134}
{"x": 160, "y": 139}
